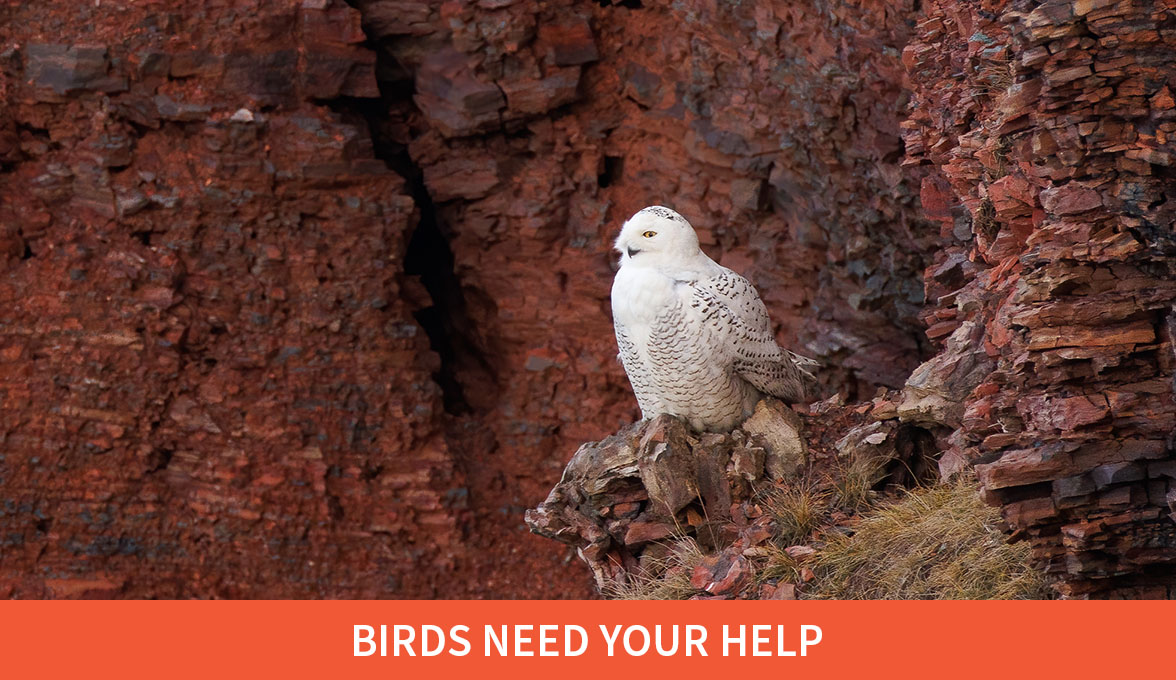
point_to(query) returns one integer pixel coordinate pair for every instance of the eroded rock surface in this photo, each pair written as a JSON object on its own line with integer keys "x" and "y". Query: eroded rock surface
{"x": 727, "y": 516}
{"x": 211, "y": 380}
{"x": 1050, "y": 131}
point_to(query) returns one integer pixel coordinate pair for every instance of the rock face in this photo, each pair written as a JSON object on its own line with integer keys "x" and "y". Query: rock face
{"x": 211, "y": 381}
{"x": 1049, "y": 130}
{"x": 219, "y": 349}
{"x": 310, "y": 298}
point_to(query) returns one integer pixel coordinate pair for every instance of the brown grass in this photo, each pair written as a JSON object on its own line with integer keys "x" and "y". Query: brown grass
{"x": 938, "y": 542}
{"x": 935, "y": 542}
{"x": 667, "y": 578}
{"x": 984, "y": 221}
{"x": 854, "y": 482}
{"x": 996, "y": 77}
{"x": 798, "y": 509}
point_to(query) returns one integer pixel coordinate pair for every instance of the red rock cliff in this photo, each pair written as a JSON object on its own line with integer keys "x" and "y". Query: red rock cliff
{"x": 306, "y": 299}
{"x": 1050, "y": 130}
{"x": 212, "y": 383}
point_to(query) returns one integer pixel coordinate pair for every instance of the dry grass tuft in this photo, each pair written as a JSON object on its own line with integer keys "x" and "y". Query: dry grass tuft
{"x": 854, "y": 482}
{"x": 938, "y": 542}
{"x": 777, "y": 565}
{"x": 667, "y": 578}
{"x": 797, "y": 509}
{"x": 995, "y": 78}
{"x": 984, "y": 221}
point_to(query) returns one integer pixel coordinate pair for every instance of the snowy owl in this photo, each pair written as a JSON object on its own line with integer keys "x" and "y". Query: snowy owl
{"x": 694, "y": 336}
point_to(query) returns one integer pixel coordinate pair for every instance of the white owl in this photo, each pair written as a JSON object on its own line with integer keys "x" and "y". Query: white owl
{"x": 694, "y": 336}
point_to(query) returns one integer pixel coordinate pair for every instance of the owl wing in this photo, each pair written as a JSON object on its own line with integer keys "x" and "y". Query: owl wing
{"x": 732, "y": 310}
{"x": 639, "y": 373}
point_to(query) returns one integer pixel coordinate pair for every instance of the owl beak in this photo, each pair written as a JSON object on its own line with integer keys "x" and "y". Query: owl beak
{"x": 632, "y": 251}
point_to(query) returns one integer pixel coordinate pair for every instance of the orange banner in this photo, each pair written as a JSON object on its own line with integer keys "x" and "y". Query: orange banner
{"x": 575, "y": 639}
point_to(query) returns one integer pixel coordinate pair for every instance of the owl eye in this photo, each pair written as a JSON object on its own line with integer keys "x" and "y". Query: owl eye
{"x": 649, "y": 234}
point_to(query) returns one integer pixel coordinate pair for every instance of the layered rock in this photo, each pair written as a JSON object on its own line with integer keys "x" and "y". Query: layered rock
{"x": 211, "y": 381}
{"x": 1049, "y": 130}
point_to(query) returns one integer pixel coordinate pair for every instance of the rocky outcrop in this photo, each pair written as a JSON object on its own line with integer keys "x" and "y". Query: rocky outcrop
{"x": 621, "y": 499}
{"x": 1048, "y": 129}
{"x": 742, "y": 503}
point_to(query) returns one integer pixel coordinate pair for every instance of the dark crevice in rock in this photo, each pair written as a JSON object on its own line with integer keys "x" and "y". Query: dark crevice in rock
{"x": 916, "y": 460}
{"x": 429, "y": 256}
{"x": 162, "y": 457}
{"x": 335, "y": 508}
{"x": 612, "y": 171}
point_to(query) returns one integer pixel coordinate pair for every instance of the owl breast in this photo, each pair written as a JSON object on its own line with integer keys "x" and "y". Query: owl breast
{"x": 639, "y": 295}
{"x": 674, "y": 362}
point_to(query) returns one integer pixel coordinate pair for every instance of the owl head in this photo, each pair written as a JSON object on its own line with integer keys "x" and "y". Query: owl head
{"x": 656, "y": 233}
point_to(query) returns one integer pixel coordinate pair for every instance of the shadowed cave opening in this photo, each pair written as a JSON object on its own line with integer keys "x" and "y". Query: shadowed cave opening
{"x": 611, "y": 172}
{"x": 430, "y": 259}
{"x": 916, "y": 463}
